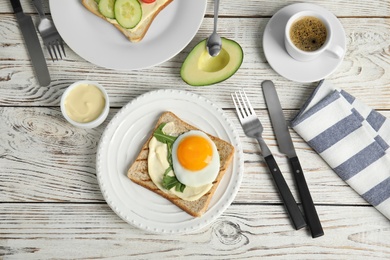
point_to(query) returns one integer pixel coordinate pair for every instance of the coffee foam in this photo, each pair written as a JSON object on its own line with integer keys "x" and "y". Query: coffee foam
{"x": 308, "y": 33}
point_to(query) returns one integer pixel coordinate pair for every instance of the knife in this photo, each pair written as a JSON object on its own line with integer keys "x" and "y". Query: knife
{"x": 286, "y": 146}
{"x": 32, "y": 42}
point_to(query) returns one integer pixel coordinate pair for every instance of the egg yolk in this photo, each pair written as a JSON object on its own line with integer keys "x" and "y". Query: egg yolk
{"x": 194, "y": 153}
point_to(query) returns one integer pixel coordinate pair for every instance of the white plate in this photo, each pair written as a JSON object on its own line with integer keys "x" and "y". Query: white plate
{"x": 281, "y": 61}
{"x": 102, "y": 44}
{"x": 122, "y": 141}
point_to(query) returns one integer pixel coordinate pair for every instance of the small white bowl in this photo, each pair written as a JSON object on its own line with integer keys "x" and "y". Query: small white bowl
{"x": 100, "y": 119}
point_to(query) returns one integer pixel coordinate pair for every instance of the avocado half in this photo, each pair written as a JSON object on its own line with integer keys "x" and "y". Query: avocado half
{"x": 201, "y": 69}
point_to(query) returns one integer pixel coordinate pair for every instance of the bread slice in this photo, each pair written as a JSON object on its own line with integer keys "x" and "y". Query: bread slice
{"x": 138, "y": 171}
{"x": 134, "y": 35}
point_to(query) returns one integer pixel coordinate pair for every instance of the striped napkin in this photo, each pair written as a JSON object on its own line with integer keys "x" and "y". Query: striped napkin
{"x": 352, "y": 138}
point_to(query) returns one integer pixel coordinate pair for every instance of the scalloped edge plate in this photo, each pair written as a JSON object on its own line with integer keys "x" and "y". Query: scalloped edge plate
{"x": 121, "y": 142}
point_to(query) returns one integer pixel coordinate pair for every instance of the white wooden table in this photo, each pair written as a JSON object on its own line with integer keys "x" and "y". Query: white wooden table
{"x": 50, "y": 202}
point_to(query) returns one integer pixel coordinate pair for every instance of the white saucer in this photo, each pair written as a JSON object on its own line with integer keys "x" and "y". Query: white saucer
{"x": 283, "y": 63}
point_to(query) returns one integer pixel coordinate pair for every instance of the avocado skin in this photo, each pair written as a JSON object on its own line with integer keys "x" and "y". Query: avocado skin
{"x": 190, "y": 65}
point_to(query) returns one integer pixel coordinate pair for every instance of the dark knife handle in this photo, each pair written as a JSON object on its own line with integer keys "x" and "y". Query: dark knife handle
{"x": 16, "y": 6}
{"x": 307, "y": 203}
{"x": 284, "y": 191}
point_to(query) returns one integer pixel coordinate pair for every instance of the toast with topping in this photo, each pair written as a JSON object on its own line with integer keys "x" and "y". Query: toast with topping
{"x": 139, "y": 27}
{"x": 138, "y": 171}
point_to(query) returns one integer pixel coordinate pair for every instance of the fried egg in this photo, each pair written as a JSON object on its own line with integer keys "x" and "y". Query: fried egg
{"x": 195, "y": 159}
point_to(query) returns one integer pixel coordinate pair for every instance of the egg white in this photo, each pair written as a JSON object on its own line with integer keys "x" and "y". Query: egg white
{"x": 196, "y": 178}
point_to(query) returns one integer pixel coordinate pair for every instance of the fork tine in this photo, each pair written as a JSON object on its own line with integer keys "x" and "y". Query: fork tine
{"x": 49, "y": 49}
{"x": 249, "y": 103}
{"x": 235, "y": 104}
{"x": 54, "y": 51}
{"x": 240, "y": 108}
{"x": 62, "y": 47}
{"x": 58, "y": 49}
{"x": 244, "y": 102}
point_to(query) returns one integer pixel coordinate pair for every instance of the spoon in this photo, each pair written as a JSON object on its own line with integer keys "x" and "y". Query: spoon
{"x": 214, "y": 42}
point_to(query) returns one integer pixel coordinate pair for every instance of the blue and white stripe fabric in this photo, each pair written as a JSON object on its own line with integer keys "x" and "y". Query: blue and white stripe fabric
{"x": 352, "y": 138}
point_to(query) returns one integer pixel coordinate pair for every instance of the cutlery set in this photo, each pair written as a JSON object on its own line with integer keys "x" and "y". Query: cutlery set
{"x": 51, "y": 38}
{"x": 253, "y": 128}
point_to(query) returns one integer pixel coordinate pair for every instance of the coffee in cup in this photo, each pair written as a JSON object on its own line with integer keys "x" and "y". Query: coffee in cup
{"x": 307, "y": 35}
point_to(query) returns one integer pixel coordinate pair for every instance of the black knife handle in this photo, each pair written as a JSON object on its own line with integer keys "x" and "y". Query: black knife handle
{"x": 284, "y": 191}
{"x": 307, "y": 203}
{"x": 16, "y": 6}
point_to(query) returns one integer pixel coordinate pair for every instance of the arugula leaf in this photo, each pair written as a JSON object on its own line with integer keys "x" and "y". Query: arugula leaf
{"x": 171, "y": 181}
{"x": 169, "y": 154}
{"x": 180, "y": 187}
{"x": 168, "y": 170}
{"x": 168, "y": 181}
{"x": 161, "y": 137}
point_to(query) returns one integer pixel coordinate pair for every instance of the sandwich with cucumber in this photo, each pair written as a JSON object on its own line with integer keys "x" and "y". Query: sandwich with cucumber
{"x": 132, "y": 17}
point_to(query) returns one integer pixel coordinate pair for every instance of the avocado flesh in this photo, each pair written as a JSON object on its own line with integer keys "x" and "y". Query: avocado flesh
{"x": 201, "y": 69}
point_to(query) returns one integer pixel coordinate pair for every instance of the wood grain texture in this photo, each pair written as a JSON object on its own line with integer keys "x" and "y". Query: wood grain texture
{"x": 45, "y": 159}
{"x": 364, "y": 71}
{"x": 51, "y": 206}
{"x": 78, "y": 231}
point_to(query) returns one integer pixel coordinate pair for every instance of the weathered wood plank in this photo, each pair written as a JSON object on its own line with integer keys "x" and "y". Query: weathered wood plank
{"x": 78, "y": 231}
{"x": 364, "y": 72}
{"x": 43, "y": 158}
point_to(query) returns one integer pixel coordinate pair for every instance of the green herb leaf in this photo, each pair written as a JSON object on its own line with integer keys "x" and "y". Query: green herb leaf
{"x": 168, "y": 170}
{"x": 168, "y": 181}
{"x": 161, "y": 137}
{"x": 169, "y": 155}
{"x": 180, "y": 187}
{"x": 171, "y": 181}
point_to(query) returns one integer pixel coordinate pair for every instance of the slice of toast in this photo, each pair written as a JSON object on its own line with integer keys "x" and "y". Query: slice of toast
{"x": 134, "y": 35}
{"x": 138, "y": 171}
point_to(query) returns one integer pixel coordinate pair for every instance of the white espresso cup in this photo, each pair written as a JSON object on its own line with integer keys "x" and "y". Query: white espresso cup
{"x": 333, "y": 50}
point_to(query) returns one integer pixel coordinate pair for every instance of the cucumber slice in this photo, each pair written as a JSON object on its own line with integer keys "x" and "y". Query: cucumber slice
{"x": 106, "y": 8}
{"x": 128, "y": 13}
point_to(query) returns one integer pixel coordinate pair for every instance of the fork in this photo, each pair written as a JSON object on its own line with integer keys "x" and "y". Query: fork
{"x": 253, "y": 128}
{"x": 51, "y": 37}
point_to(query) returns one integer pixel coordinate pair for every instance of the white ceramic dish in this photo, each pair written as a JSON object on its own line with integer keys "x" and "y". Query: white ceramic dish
{"x": 122, "y": 141}
{"x": 102, "y": 44}
{"x": 98, "y": 121}
{"x": 283, "y": 63}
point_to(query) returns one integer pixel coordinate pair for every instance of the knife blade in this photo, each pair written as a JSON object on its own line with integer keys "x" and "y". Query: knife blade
{"x": 286, "y": 146}
{"x": 32, "y": 42}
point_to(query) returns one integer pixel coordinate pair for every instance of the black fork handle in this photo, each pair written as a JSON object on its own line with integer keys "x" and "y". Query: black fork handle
{"x": 284, "y": 191}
